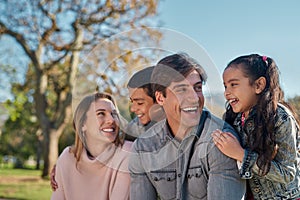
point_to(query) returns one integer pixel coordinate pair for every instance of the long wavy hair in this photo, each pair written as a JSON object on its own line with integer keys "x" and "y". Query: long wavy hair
{"x": 79, "y": 120}
{"x": 261, "y": 139}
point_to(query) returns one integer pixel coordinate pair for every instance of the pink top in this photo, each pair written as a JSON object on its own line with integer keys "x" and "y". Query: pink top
{"x": 104, "y": 178}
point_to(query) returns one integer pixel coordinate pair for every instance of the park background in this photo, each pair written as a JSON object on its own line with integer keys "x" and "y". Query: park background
{"x": 214, "y": 32}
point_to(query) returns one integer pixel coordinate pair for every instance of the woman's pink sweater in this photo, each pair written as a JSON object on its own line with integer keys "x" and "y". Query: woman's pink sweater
{"x": 104, "y": 178}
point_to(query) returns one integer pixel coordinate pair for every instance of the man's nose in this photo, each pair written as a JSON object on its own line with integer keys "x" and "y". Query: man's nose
{"x": 133, "y": 108}
{"x": 193, "y": 96}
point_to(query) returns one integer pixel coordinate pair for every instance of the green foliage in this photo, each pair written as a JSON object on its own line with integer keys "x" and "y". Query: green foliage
{"x": 16, "y": 106}
{"x": 67, "y": 138}
{"x": 7, "y": 75}
{"x": 19, "y": 137}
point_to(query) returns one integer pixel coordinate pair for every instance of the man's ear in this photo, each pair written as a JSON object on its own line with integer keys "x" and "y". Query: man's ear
{"x": 159, "y": 98}
{"x": 260, "y": 84}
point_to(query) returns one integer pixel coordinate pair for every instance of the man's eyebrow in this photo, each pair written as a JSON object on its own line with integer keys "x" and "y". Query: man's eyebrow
{"x": 137, "y": 99}
{"x": 199, "y": 82}
{"x": 179, "y": 85}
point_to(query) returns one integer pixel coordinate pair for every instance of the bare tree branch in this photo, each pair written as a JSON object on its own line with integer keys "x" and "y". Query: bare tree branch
{"x": 56, "y": 36}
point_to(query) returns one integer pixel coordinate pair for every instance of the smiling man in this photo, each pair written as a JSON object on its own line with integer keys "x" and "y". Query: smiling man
{"x": 143, "y": 103}
{"x": 141, "y": 95}
{"x": 176, "y": 158}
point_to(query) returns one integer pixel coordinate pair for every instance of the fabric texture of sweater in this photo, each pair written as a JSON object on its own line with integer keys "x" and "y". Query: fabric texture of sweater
{"x": 105, "y": 177}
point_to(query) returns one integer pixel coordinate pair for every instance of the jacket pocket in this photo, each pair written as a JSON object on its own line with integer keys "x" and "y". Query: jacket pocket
{"x": 165, "y": 183}
{"x": 196, "y": 182}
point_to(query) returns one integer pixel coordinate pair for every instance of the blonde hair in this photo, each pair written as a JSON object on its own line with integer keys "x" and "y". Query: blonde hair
{"x": 80, "y": 118}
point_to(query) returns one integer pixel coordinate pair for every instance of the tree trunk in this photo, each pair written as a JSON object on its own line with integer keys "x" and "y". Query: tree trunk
{"x": 50, "y": 151}
{"x": 39, "y": 151}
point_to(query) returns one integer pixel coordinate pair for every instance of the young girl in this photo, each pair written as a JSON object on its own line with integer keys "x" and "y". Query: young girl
{"x": 269, "y": 153}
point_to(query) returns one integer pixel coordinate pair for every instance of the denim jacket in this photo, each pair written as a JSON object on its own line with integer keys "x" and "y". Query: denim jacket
{"x": 160, "y": 166}
{"x": 134, "y": 128}
{"x": 283, "y": 179}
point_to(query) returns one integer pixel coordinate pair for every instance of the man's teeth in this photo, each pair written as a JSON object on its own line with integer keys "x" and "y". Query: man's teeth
{"x": 190, "y": 109}
{"x": 140, "y": 115}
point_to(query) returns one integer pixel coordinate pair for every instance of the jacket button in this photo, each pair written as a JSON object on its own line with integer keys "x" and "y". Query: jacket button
{"x": 155, "y": 179}
{"x": 179, "y": 175}
{"x": 256, "y": 190}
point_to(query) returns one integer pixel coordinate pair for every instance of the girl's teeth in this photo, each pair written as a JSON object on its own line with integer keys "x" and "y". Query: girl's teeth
{"x": 232, "y": 100}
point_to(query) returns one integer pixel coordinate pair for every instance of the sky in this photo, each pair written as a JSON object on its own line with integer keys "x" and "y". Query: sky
{"x": 228, "y": 29}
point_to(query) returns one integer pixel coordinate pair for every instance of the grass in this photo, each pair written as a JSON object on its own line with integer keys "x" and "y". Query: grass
{"x": 23, "y": 184}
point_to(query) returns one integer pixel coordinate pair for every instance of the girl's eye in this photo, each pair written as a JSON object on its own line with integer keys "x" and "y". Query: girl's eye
{"x": 140, "y": 103}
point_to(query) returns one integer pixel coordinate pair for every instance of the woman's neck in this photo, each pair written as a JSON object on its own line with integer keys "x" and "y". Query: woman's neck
{"x": 94, "y": 150}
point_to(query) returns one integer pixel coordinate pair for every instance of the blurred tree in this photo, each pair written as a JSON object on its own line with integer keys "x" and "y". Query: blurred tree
{"x": 295, "y": 102}
{"x": 8, "y": 74}
{"x": 19, "y": 137}
{"x": 55, "y": 36}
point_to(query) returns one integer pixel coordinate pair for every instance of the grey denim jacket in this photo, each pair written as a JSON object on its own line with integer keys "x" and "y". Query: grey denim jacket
{"x": 283, "y": 179}
{"x": 158, "y": 166}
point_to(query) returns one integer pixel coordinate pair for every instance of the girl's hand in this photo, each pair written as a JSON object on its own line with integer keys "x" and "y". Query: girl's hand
{"x": 228, "y": 144}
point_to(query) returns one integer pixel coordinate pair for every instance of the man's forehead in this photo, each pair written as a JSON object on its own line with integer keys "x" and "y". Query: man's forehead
{"x": 191, "y": 79}
{"x": 136, "y": 93}
{"x": 194, "y": 75}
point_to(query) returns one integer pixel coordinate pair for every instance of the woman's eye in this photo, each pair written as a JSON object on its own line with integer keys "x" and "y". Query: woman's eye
{"x": 114, "y": 115}
{"x": 100, "y": 114}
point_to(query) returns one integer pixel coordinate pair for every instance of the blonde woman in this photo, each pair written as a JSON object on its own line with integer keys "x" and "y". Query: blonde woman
{"x": 96, "y": 166}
